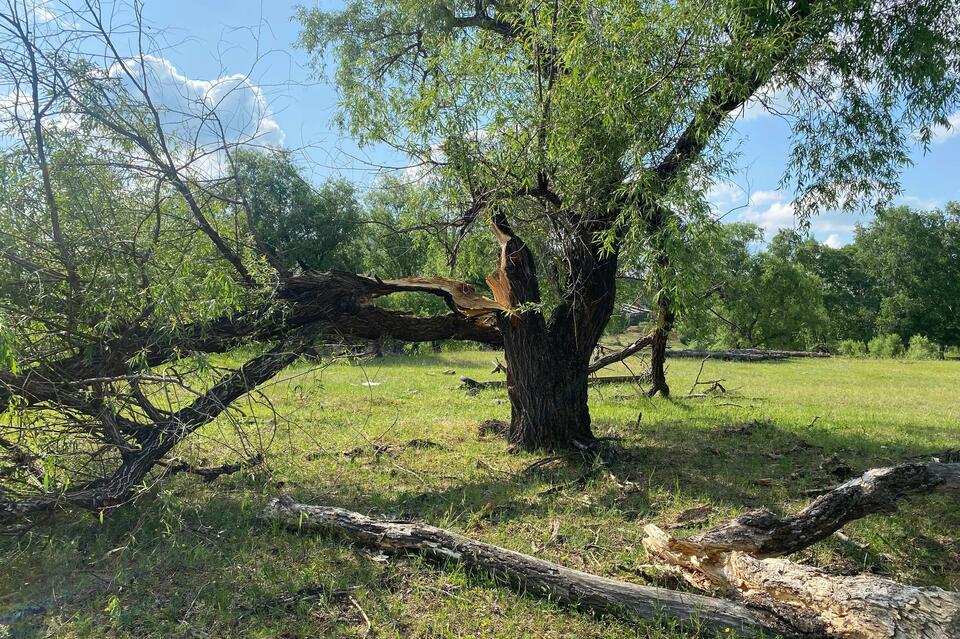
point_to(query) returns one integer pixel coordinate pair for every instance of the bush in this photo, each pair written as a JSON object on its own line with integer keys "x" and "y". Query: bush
{"x": 886, "y": 346}
{"x": 852, "y": 348}
{"x": 922, "y": 348}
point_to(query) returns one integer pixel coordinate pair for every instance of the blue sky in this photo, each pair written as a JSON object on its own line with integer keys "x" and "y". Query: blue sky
{"x": 211, "y": 39}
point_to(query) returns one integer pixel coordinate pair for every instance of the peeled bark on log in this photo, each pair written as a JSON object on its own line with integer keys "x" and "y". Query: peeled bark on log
{"x": 813, "y": 601}
{"x": 529, "y": 573}
{"x": 734, "y": 557}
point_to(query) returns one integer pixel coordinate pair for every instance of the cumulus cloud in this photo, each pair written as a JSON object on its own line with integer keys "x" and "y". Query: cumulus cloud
{"x": 834, "y": 241}
{"x": 940, "y": 134}
{"x": 203, "y": 114}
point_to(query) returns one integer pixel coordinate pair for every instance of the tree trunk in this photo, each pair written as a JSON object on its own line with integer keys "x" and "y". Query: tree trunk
{"x": 658, "y": 356}
{"x": 548, "y": 362}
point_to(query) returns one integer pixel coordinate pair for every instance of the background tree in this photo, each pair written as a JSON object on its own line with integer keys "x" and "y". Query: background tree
{"x": 582, "y": 123}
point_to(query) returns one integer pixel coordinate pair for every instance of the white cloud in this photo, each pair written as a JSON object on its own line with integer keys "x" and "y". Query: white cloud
{"x": 834, "y": 241}
{"x": 941, "y": 134}
{"x": 725, "y": 195}
{"x": 762, "y": 198}
{"x": 202, "y": 114}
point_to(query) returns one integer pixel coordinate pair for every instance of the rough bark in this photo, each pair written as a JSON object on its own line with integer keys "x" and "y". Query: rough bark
{"x": 812, "y": 600}
{"x": 548, "y": 362}
{"x": 468, "y": 382}
{"x": 736, "y": 557}
{"x": 529, "y": 573}
{"x": 764, "y": 534}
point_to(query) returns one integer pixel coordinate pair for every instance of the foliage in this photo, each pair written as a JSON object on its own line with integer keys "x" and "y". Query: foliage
{"x": 885, "y": 346}
{"x": 921, "y": 347}
{"x": 303, "y": 225}
{"x": 852, "y": 348}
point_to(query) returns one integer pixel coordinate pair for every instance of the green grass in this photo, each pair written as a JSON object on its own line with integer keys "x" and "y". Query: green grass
{"x": 192, "y": 560}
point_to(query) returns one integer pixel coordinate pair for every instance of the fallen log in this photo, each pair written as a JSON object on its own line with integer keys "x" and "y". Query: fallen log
{"x": 468, "y": 382}
{"x": 737, "y": 558}
{"x": 743, "y": 354}
{"x": 763, "y": 534}
{"x": 812, "y": 600}
{"x": 533, "y": 575}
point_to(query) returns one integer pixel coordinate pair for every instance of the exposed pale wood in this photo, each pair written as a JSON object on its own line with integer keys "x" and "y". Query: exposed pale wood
{"x": 852, "y": 607}
{"x": 737, "y": 557}
{"x": 459, "y": 295}
{"x": 532, "y": 575}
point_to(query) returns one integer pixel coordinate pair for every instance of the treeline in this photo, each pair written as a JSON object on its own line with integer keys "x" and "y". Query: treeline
{"x": 894, "y": 290}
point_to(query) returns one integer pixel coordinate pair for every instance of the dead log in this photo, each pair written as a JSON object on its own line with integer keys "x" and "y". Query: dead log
{"x": 812, "y": 600}
{"x": 763, "y": 534}
{"x": 529, "y": 573}
{"x": 743, "y": 354}
{"x": 469, "y": 382}
{"x": 736, "y": 557}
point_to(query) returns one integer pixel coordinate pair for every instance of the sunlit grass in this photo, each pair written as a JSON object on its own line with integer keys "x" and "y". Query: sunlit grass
{"x": 193, "y": 560}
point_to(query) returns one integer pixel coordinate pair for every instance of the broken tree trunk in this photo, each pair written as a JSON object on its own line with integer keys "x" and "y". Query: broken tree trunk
{"x": 732, "y": 557}
{"x": 529, "y": 573}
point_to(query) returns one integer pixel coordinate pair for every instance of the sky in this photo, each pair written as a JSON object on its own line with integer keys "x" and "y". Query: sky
{"x": 247, "y": 45}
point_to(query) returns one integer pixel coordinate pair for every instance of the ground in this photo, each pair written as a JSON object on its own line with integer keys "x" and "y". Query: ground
{"x": 396, "y": 437}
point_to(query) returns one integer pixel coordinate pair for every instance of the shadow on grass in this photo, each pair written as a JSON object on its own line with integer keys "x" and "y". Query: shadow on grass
{"x": 196, "y": 556}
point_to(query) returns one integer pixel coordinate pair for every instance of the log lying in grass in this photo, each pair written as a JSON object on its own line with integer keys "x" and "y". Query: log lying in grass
{"x": 743, "y": 354}
{"x": 622, "y": 354}
{"x": 529, "y": 573}
{"x": 764, "y": 534}
{"x": 209, "y": 473}
{"x": 468, "y": 382}
{"x": 810, "y": 599}
{"x": 731, "y": 557}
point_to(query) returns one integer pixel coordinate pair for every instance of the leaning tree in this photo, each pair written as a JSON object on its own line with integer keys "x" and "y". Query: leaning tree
{"x": 134, "y": 244}
{"x": 583, "y": 129}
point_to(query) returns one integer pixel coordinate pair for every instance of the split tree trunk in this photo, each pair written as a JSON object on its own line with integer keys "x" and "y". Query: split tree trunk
{"x": 548, "y": 362}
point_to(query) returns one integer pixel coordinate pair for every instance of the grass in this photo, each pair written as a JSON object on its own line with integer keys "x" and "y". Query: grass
{"x": 192, "y": 560}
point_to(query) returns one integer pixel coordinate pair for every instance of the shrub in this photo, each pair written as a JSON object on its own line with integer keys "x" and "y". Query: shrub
{"x": 852, "y": 348}
{"x": 886, "y": 346}
{"x": 922, "y": 348}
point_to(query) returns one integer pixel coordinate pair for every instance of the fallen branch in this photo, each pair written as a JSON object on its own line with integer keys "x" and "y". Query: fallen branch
{"x": 735, "y": 557}
{"x": 622, "y": 354}
{"x": 743, "y": 354}
{"x": 209, "y": 473}
{"x": 763, "y": 534}
{"x": 529, "y": 573}
{"x": 468, "y": 382}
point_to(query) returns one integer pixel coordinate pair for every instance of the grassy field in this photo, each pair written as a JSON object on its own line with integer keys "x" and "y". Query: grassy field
{"x": 395, "y": 437}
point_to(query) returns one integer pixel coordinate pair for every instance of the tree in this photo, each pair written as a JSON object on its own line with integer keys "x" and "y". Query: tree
{"x": 315, "y": 228}
{"x": 129, "y": 251}
{"x": 571, "y": 127}
{"x": 913, "y": 258}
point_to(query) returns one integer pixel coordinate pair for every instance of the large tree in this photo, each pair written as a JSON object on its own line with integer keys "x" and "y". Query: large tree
{"x": 577, "y": 128}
